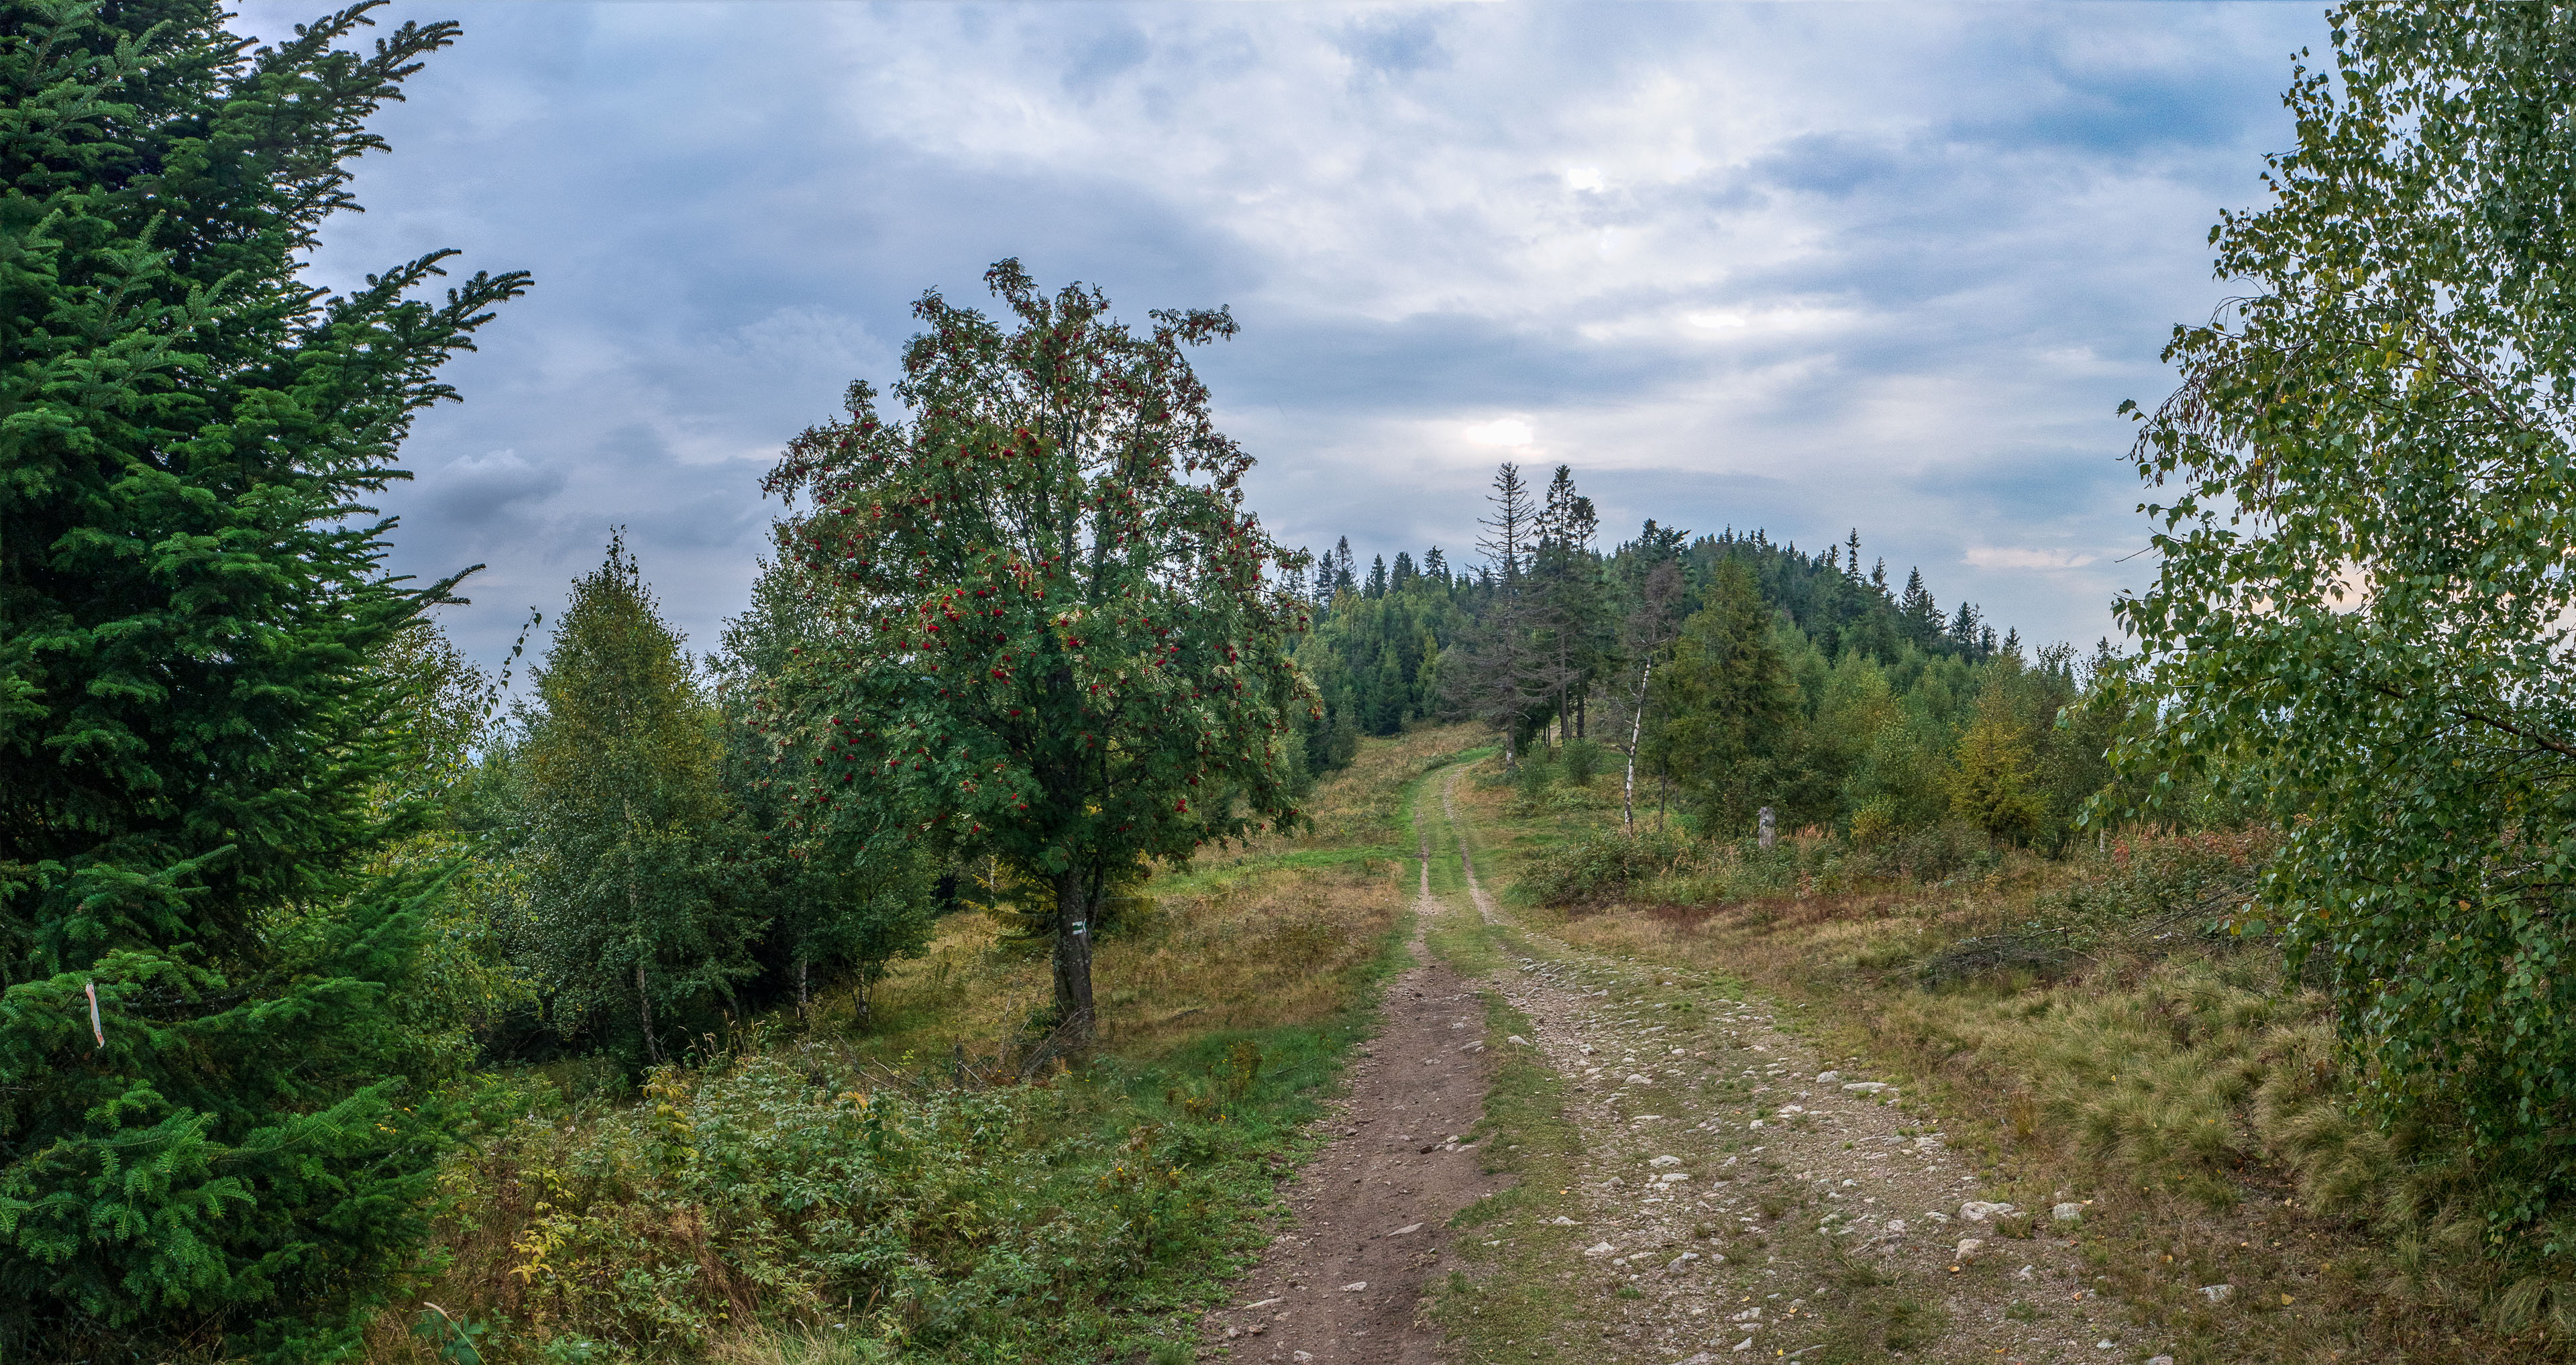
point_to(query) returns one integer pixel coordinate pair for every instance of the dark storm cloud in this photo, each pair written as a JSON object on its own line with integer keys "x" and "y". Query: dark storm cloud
{"x": 1799, "y": 267}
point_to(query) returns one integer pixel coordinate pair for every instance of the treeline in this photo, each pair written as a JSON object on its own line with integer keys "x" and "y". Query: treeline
{"x": 1735, "y": 671}
{"x": 634, "y": 885}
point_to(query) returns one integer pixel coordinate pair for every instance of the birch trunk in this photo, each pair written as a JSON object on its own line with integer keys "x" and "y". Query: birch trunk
{"x": 644, "y": 1008}
{"x": 1636, "y": 734}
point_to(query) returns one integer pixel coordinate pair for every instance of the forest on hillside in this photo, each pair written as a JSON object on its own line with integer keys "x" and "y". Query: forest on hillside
{"x": 650, "y": 855}
{"x": 1736, "y": 671}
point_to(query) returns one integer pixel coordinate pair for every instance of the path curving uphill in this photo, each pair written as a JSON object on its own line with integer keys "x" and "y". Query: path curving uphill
{"x": 1347, "y": 1281}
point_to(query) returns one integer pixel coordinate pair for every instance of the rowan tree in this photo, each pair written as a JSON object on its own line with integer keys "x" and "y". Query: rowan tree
{"x": 1052, "y": 634}
{"x": 237, "y": 1153}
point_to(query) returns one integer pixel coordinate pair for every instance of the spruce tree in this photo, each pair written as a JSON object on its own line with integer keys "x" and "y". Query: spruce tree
{"x": 1732, "y": 705}
{"x": 1566, "y": 613}
{"x": 1921, "y": 615}
{"x": 233, "y": 1153}
{"x": 1500, "y": 678}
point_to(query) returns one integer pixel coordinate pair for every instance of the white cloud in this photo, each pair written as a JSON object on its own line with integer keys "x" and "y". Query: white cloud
{"x": 1803, "y": 267}
{"x": 2008, "y": 557}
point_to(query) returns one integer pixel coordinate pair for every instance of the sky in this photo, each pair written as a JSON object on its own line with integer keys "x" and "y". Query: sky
{"x": 1804, "y": 267}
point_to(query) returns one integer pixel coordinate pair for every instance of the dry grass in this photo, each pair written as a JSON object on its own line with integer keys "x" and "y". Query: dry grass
{"x": 1287, "y": 932}
{"x": 1243, "y": 937}
{"x": 2182, "y": 1084}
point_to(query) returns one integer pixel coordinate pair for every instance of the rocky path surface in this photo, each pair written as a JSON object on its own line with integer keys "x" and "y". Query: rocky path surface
{"x": 1346, "y": 1282}
{"x": 1745, "y": 1198}
{"x": 1741, "y": 1197}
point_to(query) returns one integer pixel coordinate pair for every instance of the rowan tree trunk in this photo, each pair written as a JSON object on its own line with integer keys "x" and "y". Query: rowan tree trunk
{"x": 1073, "y": 955}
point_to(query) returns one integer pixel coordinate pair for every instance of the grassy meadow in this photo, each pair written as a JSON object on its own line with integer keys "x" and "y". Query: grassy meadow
{"x": 896, "y": 1181}
{"x": 2092, "y": 1028}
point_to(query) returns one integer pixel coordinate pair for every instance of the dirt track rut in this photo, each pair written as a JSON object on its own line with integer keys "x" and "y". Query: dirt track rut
{"x": 1346, "y": 1282}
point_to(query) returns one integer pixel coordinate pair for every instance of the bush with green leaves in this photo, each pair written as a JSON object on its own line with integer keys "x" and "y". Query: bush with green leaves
{"x": 1601, "y": 866}
{"x": 2366, "y": 498}
{"x": 881, "y": 1209}
{"x": 234, "y": 1149}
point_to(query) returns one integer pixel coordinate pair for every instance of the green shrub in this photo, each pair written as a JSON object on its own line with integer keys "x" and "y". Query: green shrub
{"x": 1927, "y": 853}
{"x": 1580, "y": 761}
{"x": 935, "y": 1221}
{"x": 1601, "y": 866}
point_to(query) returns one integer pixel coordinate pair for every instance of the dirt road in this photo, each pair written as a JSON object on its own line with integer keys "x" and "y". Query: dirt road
{"x": 1736, "y": 1196}
{"x": 1346, "y": 1282}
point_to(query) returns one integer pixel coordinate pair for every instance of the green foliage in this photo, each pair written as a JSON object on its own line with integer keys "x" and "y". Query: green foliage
{"x": 886, "y": 1209}
{"x": 2361, "y": 622}
{"x": 1552, "y": 640}
{"x": 1375, "y": 662}
{"x": 1731, "y": 703}
{"x": 454, "y": 1341}
{"x": 197, "y": 765}
{"x": 642, "y": 905}
{"x": 833, "y": 903}
{"x": 1993, "y": 789}
{"x": 466, "y": 984}
{"x": 1049, "y": 634}
{"x": 1601, "y": 866}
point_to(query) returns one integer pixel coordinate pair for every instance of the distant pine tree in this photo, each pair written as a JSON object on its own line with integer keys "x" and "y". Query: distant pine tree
{"x": 1921, "y": 614}
{"x": 1965, "y": 625}
{"x": 1501, "y": 677}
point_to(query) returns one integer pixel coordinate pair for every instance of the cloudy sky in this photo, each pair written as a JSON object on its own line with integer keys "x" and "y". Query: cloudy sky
{"x": 1807, "y": 267}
